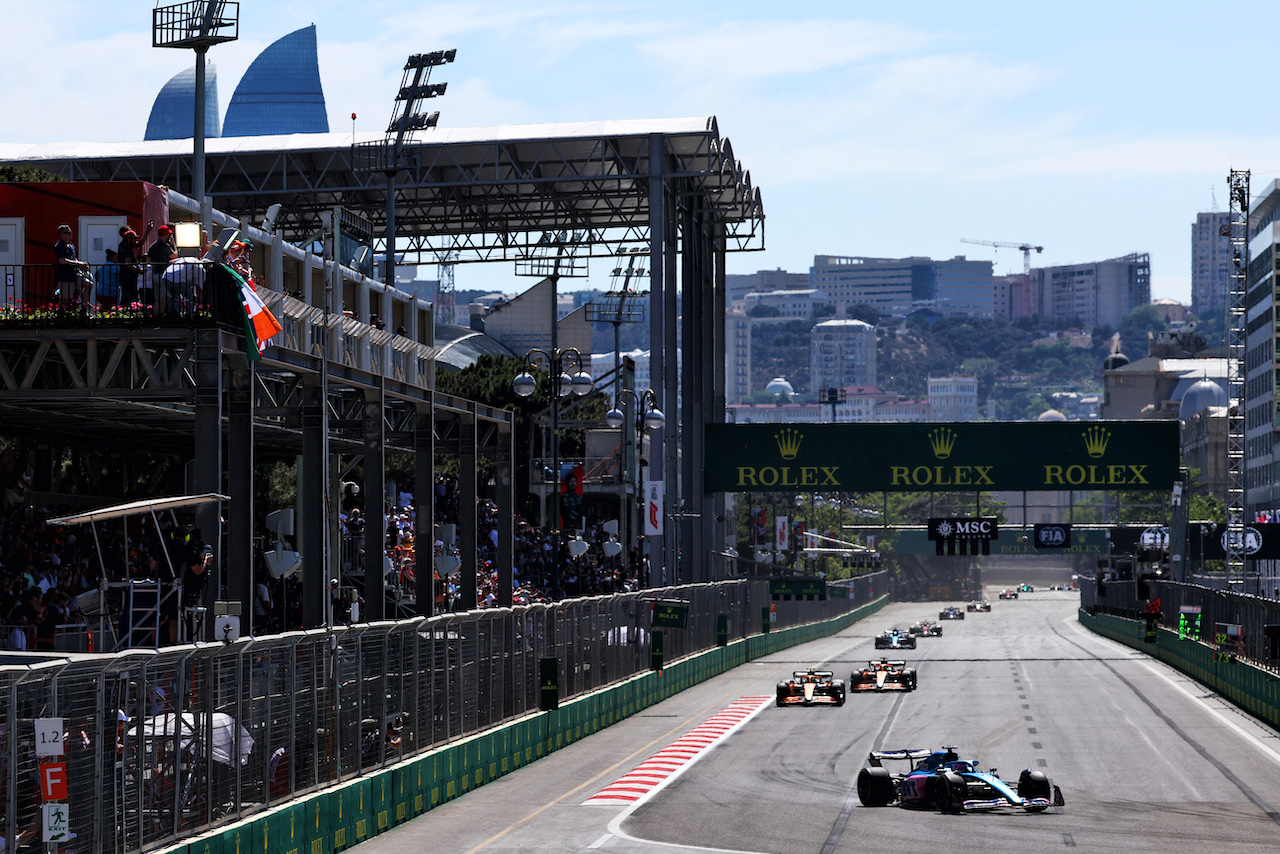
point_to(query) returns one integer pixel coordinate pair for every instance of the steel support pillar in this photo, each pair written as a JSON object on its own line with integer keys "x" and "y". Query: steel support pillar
{"x": 714, "y": 510}
{"x": 659, "y": 284}
{"x": 504, "y": 485}
{"x": 424, "y": 505}
{"x": 467, "y": 510}
{"x": 375, "y": 505}
{"x": 208, "y": 457}
{"x": 312, "y": 512}
{"x": 674, "y": 488}
{"x": 240, "y": 556}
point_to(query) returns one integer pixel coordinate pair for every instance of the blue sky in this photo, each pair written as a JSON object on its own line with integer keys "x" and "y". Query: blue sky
{"x": 1094, "y": 129}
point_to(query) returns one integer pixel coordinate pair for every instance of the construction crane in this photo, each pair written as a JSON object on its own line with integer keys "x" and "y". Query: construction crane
{"x": 1024, "y": 247}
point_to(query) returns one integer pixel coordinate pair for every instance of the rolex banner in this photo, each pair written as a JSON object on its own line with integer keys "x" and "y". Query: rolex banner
{"x": 966, "y": 457}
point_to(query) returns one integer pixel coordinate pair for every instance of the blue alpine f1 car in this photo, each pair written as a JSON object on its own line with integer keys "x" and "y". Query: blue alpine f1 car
{"x": 896, "y": 639}
{"x": 940, "y": 779}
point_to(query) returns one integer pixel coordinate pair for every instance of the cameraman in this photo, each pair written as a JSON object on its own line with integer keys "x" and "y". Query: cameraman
{"x": 195, "y": 577}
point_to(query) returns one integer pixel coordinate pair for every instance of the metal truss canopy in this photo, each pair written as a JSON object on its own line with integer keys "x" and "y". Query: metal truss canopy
{"x": 483, "y": 194}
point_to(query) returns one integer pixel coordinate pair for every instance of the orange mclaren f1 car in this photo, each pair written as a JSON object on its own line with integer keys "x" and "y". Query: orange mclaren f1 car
{"x": 884, "y": 675}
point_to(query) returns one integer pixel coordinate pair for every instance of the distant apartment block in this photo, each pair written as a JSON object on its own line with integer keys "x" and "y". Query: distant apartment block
{"x": 1097, "y": 293}
{"x": 602, "y": 363}
{"x": 1003, "y": 290}
{"x": 843, "y": 353}
{"x": 788, "y": 303}
{"x": 953, "y": 398}
{"x": 898, "y": 286}
{"x": 737, "y": 361}
{"x": 1210, "y": 256}
{"x": 738, "y": 286}
{"x": 862, "y": 405}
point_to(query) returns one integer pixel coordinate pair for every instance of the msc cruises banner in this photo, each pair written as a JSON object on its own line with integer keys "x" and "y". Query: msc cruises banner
{"x": 966, "y": 457}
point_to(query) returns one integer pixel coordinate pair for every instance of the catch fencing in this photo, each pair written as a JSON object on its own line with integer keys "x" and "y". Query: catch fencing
{"x": 1181, "y": 603}
{"x": 161, "y": 745}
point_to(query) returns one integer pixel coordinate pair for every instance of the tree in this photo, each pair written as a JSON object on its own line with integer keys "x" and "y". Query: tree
{"x": 1134, "y": 328}
{"x": 761, "y": 310}
{"x": 864, "y": 312}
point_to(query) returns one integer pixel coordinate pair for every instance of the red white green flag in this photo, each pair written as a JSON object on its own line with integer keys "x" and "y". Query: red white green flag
{"x": 260, "y": 325}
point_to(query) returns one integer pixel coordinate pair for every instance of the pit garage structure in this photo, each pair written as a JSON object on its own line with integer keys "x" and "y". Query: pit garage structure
{"x": 556, "y": 193}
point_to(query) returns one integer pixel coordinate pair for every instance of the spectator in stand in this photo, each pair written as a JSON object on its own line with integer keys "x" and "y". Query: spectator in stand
{"x": 263, "y": 614}
{"x": 160, "y": 255}
{"x": 67, "y": 269}
{"x": 130, "y": 268}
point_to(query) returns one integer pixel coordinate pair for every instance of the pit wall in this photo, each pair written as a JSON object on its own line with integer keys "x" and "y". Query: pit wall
{"x": 338, "y": 817}
{"x": 1250, "y": 687}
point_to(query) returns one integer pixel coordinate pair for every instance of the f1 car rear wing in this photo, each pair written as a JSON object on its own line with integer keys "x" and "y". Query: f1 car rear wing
{"x": 896, "y": 663}
{"x": 914, "y": 755}
{"x": 801, "y": 673}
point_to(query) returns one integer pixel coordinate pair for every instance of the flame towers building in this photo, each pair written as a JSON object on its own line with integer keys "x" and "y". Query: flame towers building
{"x": 173, "y": 113}
{"x": 280, "y": 93}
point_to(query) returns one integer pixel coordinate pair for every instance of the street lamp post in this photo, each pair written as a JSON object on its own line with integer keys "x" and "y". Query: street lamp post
{"x": 557, "y": 363}
{"x": 650, "y": 419}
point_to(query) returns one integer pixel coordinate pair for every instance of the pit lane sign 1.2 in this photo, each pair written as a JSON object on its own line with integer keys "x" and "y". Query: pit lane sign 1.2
{"x": 965, "y": 457}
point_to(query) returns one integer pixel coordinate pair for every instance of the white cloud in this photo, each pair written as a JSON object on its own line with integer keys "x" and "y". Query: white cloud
{"x": 750, "y": 50}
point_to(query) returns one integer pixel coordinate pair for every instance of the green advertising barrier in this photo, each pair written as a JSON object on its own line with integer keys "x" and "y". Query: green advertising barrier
{"x": 963, "y": 456}
{"x": 336, "y": 819}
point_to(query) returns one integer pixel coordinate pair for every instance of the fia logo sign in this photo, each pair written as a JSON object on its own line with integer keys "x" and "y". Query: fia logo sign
{"x": 1053, "y": 536}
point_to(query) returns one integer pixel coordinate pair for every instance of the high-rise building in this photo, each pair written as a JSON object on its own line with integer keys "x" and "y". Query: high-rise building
{"x": 898, "y": 286}
{"x": 1260, "y": 419}
{"x": 279, "y": 94}
{"x": 737, "y": 361}
{"x": 1210, "y": 253}
{"x": 174, "y": 111}
{"x": 1099, "y": 293}
{"x": 843, "y": 354}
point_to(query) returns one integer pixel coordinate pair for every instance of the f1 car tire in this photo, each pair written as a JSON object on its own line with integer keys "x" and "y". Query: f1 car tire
{"x": 951, "y": 791}
{"x": 875, "y": 787}
{"x": 938, "y": 632}
{"x": 783, "y": 693}
{"x": 837, "y": 691}
{"x": 1034, "y": 784}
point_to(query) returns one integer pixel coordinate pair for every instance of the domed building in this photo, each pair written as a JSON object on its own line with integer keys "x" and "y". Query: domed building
{"x": 1203, "y": 413}
{"x": 1202, "y": 395}
{"x": 1051, "y": 415}
{"x": 779, "y": 385}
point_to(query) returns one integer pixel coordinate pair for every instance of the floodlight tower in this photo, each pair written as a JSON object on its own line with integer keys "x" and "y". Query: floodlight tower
{"x": 405, "y": 120}
{"x": 197, "y": 25}
{"x": 1237, "y": 231}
